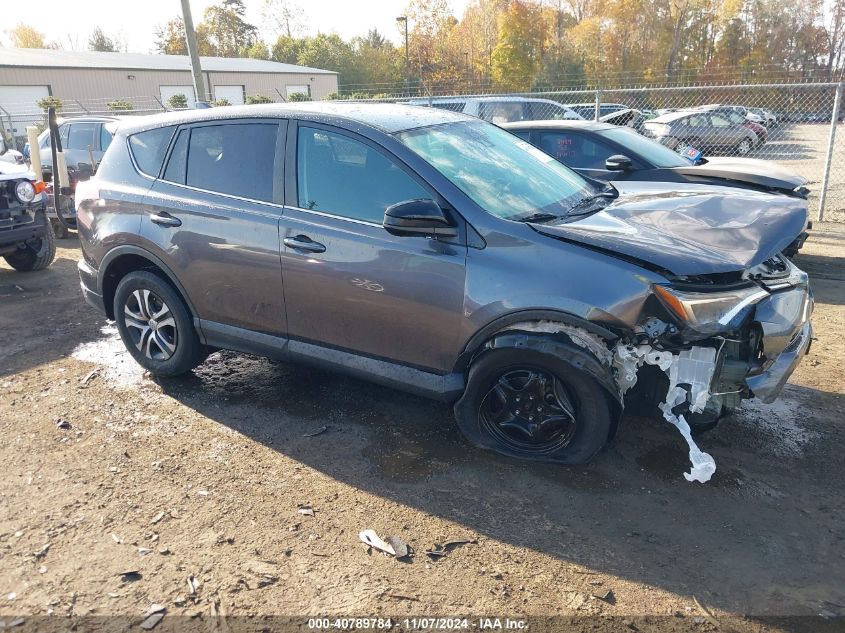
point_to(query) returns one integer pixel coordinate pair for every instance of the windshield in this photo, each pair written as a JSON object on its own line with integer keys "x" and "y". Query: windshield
{"x": 503, "y": 174}
{"x": 652, "y": 151}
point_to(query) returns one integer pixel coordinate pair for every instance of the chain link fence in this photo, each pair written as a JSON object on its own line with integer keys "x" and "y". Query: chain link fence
{"x": 798, "y": 125}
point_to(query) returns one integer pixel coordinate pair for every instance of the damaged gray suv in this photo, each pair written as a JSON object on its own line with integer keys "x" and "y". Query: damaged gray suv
{"x": 434, "y": 252}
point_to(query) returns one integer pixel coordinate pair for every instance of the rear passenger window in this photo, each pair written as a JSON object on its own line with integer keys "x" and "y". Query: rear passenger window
{"x": 148, "y": 149}
{"x": 177, "y": 164}
{"x": 342, "y": 176}
{"x": 234, "y": 158}
{"x": 81, "y": 135}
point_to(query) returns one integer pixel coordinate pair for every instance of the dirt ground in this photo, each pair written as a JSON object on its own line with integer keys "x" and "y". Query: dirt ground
{"x": 203, "y": 478}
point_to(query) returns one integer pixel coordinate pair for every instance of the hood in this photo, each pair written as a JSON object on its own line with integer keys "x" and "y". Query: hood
{"x": 688, "y": 229}
{"x": 14, "y": 170}
{"x": 764, "y": 173}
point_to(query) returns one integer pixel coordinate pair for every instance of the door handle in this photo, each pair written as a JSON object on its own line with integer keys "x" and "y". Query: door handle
{"x": 304, "y": 243}
{"x": 165, "y": 219}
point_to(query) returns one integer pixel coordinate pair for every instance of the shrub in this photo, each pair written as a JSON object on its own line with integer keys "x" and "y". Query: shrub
{"x": 120, "y": 105}
{"x": 222, "y": 101}
{"x": 253, "y": 99}
{"x": 178, "y": 102}
{"x": 298, "y": 96}
{"x": 50, "y": 102}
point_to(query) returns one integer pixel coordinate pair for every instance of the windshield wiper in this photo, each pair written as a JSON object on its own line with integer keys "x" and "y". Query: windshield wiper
{"x": 539, "y": 217}
{"x": 584, "y": 205}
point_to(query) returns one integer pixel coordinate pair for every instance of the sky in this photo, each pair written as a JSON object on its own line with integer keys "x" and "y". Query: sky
{"x": 70, "y": 22}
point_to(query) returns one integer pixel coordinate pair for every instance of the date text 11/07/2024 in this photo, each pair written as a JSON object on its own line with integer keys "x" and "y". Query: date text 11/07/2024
{"x": 419, "y": 623}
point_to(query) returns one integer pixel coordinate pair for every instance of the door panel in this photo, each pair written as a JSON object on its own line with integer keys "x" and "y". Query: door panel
{"x": 224, "y": 248}
{"x": 398, "y": 298}
{"x": 350, "y": 284}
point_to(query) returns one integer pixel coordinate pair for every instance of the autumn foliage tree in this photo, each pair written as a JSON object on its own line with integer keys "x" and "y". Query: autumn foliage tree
{"x": 544, "y": 44}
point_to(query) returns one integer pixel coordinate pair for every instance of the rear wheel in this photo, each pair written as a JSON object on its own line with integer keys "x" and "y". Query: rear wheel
{"x": 36, "y": 254}
{"x": 155, "y": 325}
{"x": 527, "y": 404}
{"x": 744, "y": 147}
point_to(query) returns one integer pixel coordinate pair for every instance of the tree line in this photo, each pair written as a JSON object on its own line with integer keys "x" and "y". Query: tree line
{"x": 520, "y": 45}
{"x": 548, "y": 44}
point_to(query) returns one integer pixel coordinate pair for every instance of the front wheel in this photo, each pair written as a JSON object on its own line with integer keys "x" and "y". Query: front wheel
{"x": 531, "y": 405}
{"x": 35, "y": 254}
{"x": 155, "y": 325}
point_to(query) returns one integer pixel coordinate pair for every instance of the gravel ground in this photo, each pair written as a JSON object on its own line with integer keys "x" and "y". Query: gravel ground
{"x": 204, "y": 477}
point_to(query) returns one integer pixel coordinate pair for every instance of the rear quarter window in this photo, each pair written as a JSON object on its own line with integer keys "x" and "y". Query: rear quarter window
{"x": 148, "y": 149}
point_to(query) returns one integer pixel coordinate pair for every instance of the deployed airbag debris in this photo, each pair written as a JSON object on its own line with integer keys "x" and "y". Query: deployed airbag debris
{"x": 690, "y": 373}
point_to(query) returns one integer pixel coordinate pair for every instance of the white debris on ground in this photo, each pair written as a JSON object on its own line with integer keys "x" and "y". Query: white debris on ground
{"x": 693, "y": 367}
{"x": 109, "y": 352}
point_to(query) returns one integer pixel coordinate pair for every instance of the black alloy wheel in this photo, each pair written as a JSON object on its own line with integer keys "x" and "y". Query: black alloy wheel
{"x": 530, "y": 410}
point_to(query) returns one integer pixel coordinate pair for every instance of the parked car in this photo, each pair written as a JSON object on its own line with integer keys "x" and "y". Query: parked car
{"x": 630, "y": 117}
{"x": 734, "y": 116}
{"x": 84, "y": 141}
{"x": 770, "y": 120}
{"x": 587, "y": 110}
{"x": 435, "y": 252}
{"x": 741, "y": 110}
{"x": 26, "y": 238}
{"x": 711, "y": 133}
{"x": 610, "y": 153}
{"x": 12, "y": 156}
{"x": 501, "y": 109}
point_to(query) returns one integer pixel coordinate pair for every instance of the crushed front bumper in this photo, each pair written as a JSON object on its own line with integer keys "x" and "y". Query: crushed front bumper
{"x": 784, "y": 322}
{"x": 768, "y": 385}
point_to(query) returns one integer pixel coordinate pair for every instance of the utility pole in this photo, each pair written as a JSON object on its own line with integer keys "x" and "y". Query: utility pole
{"x": 404, "y": 18}
{"x": 193, "y": 51}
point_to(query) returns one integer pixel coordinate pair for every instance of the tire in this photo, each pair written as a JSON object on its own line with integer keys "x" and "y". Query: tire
{"x": 744, "y": 147}
{"x": 36, "y": 255}
{"x": 59, "y": 230}
{"x": 161, "y": 335}
{"x": 571, "y": 438}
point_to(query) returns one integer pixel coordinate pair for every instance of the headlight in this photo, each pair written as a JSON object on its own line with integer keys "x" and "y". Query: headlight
{"x": 25, "y": 191}
{"x": 709, "y": 311}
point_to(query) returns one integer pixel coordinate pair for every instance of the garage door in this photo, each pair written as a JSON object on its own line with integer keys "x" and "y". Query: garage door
{"x": 169, "y": 91}
{"x": 292, "y": 90}
{"x": 21, "y": 109}
{"x": 233, "y": 94}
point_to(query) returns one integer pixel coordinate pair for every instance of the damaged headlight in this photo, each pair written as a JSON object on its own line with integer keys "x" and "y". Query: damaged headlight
{"x": 709, "y": 311}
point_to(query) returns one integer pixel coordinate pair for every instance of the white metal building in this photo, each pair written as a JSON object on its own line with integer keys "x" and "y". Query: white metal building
{"x": 87, "y": 81}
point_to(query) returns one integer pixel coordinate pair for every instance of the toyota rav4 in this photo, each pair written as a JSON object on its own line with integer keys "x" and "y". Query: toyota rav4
{"x": 434, "y": 252}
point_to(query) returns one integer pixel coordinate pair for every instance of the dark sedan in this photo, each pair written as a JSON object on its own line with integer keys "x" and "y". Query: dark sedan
{"x": 588, "y": 148}
{"x": 612, "y": 153}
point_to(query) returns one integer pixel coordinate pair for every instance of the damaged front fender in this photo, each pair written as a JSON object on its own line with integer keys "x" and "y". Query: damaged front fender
{"x": 586, "y": 351}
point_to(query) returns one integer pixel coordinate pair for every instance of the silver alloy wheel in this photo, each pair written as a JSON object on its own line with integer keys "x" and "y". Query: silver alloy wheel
{"x": 744, "y": 147}
{"x": 150, "y": 324}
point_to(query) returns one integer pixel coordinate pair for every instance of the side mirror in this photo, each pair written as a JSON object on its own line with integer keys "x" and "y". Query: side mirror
{"x": 618, "y": 162}
{"x": 418, "y": 217}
